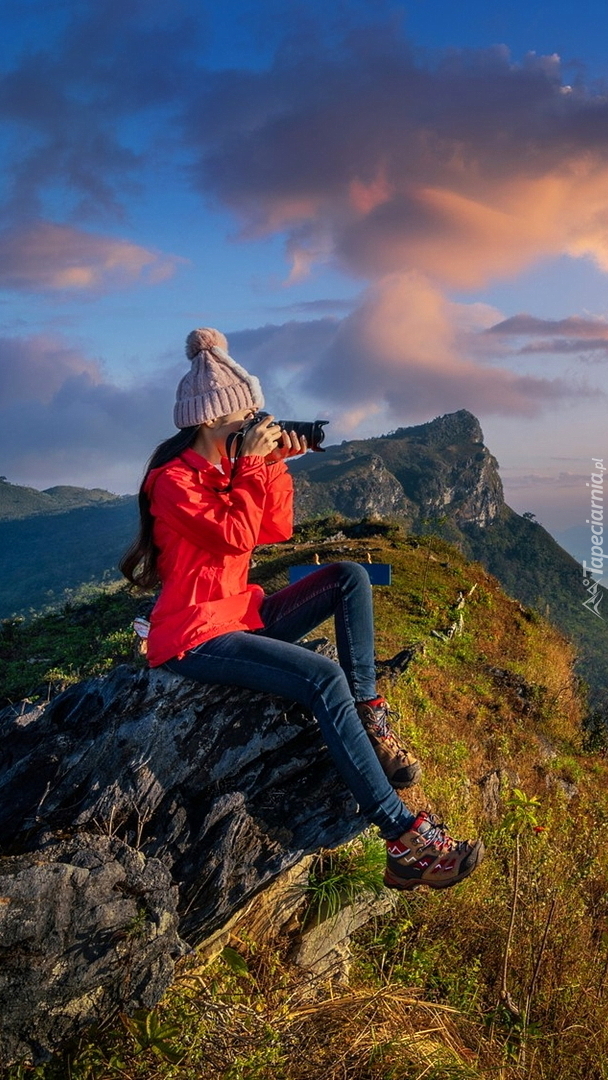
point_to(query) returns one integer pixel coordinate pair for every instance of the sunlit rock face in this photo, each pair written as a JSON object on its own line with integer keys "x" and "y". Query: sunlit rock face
{"x": 414, "y": 474}
{"x": 355, "y": 485}
{"x": 139, "y": 812}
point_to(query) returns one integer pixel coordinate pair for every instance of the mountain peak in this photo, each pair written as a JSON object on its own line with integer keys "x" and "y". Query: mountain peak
{"x": 441, "y": 468}
{"x": 457, "y": 427}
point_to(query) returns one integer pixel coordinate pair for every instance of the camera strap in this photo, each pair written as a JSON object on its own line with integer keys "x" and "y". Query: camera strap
{"x": 234, "y": 447}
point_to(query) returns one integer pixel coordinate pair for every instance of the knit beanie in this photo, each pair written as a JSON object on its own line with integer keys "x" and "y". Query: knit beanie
{"x": 215, "y": 385}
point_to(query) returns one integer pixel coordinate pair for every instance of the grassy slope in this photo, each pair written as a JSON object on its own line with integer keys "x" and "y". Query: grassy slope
{"x": 501, "y": 699}
{"x": 86, "y": 637}
{"x": 533, "y": 567}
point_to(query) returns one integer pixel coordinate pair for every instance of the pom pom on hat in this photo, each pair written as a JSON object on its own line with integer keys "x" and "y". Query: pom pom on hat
{"x": 204, "y": 338}
{"x": 215, "y": 385}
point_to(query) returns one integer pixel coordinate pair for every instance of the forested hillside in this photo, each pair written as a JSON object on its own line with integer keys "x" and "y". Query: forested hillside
{"x": 44, "y": 558}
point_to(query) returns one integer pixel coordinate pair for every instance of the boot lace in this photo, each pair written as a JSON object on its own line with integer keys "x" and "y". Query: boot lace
{"x": 381, "y": 726}
{"x": 437, "y": 834}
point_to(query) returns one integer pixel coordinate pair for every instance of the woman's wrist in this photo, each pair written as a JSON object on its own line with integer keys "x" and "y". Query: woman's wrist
{"x": 255, "y": 459}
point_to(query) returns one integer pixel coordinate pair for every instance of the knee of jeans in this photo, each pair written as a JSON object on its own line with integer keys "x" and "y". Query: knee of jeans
{"x": 352, "y": 572}
{"x": 330, "y": 680}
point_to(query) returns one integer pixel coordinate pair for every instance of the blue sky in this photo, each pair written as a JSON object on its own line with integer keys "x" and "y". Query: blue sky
{"x": 392, "y": 210}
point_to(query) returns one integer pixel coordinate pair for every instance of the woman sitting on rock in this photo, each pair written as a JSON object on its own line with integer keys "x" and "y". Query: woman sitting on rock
{"x": 201, "y": 517}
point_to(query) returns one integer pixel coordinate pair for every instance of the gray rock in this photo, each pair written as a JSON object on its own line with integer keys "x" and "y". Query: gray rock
{"x": 356, "y": 486}
{"x": 324, "y": 949}
{"x": 118, "y": 788}
{"x": 491, "y": 791}
{"x": 86, "y": 926}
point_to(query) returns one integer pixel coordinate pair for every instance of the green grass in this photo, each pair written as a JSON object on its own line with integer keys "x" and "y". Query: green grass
{"x": 338, "y": 878}
{"x": 42, "y": 656}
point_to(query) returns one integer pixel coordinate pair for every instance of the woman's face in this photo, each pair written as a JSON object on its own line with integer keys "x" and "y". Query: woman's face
{"x": 225, "y": 425}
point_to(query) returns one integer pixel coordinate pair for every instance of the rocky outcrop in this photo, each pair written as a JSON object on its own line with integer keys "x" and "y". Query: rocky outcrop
{"x": 444, "y": 467}
{"x": 356, "y": 486}
{"x": 139, "y": 812}
{"x": 433, "y": 470}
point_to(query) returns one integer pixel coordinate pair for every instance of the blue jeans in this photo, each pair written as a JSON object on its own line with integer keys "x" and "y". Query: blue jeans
{"x": 266, "y": 660}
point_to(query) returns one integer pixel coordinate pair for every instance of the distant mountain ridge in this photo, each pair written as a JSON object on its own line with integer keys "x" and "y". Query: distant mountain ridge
{"x": 44, "y": 557}
{"x": 435, "y": 477}
{"x": 18, "y": 502}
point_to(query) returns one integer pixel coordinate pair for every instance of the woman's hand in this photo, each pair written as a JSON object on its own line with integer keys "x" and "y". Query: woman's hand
{"x": 268, "y": 441}
{"x": 289, "y": 446}
{"x": 262, "y": 438}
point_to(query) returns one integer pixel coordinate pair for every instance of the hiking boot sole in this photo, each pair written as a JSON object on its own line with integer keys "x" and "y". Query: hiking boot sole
{"x": 414, "y": 773}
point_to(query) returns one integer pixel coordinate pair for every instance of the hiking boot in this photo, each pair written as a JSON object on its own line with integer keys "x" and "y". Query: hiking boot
{"x": 400, "y": 766}
{"x": 427, "y": 855}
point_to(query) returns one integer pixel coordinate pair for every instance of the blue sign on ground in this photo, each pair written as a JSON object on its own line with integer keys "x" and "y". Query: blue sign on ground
{"x": 379, "y": 573}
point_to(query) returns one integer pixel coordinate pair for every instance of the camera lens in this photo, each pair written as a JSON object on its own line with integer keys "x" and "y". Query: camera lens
{"x": 311, "y": 430}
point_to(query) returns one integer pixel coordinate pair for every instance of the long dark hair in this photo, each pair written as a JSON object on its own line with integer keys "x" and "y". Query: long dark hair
{"x": 138, "y": 563}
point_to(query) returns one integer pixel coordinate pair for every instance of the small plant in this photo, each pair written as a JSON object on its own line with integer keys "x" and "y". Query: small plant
{"x": 237, "y": 963}
{"x": 266, "y": 1062}
{"x": 138, "y": 926}
{"x": 341, "y": 877}
{"x": 522, "y": 813}
{"x": 521, "y": 818}
{"x": 93, "y": 1063}
{"x": 150, "y": 1033}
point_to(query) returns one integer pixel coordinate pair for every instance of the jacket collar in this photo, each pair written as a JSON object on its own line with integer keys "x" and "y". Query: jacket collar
{"x": 196, "y": 462}
{"x": 200, "y": 463}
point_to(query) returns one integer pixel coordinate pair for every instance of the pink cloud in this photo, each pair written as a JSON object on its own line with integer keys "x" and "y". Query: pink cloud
{"x": 405, "y": 352}
{"x": 403, "y": 346}
{"x": 573, "y": 327}
{"x": 587, "y": 349}
{"x": 465, "y": 171}
{"x": 585, "y": 338}
{"x": 45, "y": 257}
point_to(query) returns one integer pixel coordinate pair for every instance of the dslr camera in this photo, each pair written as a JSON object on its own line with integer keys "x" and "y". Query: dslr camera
{"x": 312, "y": 430}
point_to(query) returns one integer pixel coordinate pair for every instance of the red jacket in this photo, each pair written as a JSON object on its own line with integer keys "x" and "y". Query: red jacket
{"x": 205, "y": 536}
